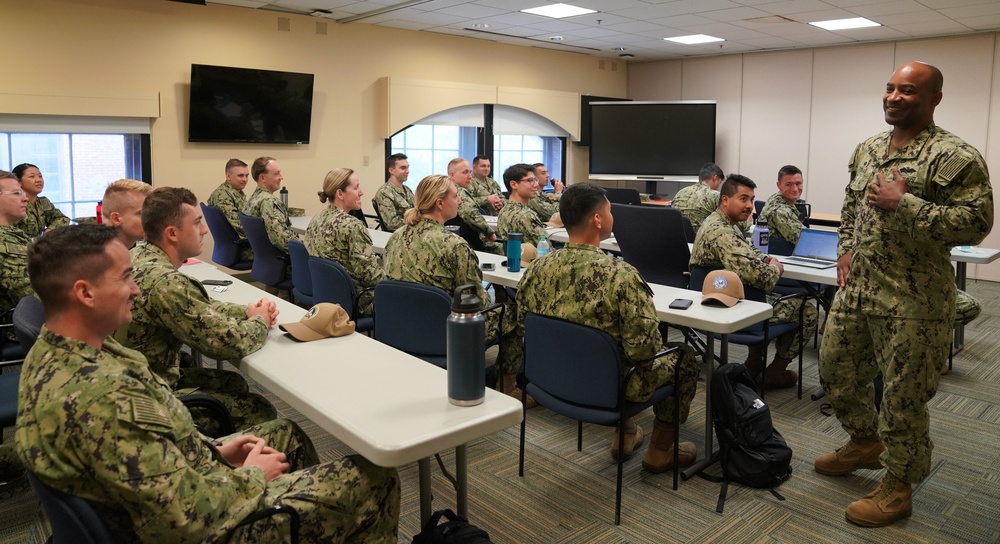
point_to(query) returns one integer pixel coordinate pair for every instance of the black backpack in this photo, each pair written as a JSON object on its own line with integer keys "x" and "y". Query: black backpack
{"x": 751, "y": 451}
{"x": 457, "y": 530}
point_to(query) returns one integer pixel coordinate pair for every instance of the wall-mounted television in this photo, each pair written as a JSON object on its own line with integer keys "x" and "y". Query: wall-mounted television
{"x": 245, "y": 105}
{"x": 651, "y": 141}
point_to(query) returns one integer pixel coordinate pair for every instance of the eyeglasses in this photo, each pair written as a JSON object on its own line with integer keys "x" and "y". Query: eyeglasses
{"x": 18, "y": 193}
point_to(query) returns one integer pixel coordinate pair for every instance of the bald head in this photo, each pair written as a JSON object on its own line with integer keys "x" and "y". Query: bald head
{"x": 912, "y": 93}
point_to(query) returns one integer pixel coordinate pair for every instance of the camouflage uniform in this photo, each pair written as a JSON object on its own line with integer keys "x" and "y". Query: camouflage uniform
{"x": 481, "y": 189}
{"x": 581, "y": 283}
{"x": 172, "y": 310}
{"x": 427, "y": 253}
{"x": 967, "y": 309}
{"x": 14, "y": 284}
{"x": 698, "y": 201}
{"x": 470, "y": 213}
{"x": 270, "y": 208}
{"x": 42, "y": 214}
{"x": 896, "y": 313}
{"x": 230, "y": 201}
{"x": 545, "y": 205}
{"x": 100, "y": 425}
{"x": 335, "y": 235}
{"x": 516, "y": 217}
{"x": 392, "y": 203}
{"x": 782, "y": 218}
{"x": 719, "y": 244}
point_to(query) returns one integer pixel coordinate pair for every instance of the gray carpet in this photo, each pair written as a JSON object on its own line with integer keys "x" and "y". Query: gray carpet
{"x": 568, "y": 496}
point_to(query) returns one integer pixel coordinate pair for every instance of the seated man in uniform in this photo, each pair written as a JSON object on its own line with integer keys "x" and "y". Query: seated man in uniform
{"x": 393, "y": 198}
{"x": 472, "y": 226}
{"x": 699, "y": 200}
{"x": 262, "y": 203}
{"x": 516, "y": 216}
{"x": 485, "y": 190}
{"x": 230, "y": 199}
{"x": 720, "y": 244}
{"x": 13, "y": 243}
{"x": 546, "y": 203}
{"x": 122, "y": 209}
{"x": 779, "y": 211}
{"x": 95, "y": 422}
{"x": 581, "y": 283}
{"x": 174, "y": 310}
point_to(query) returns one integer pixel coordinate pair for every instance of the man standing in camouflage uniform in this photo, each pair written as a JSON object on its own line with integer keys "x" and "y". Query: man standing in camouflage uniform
{"x": 393, "y": 198}
{"x": 546, "y": 203}
{"x": 485, "y": 191}
{"x": 779, "y": 211}
{"x": 914, "y": 192}
{"x": 174, "y": 309}
{"x": 472, "y": 225}
{"x": 719, "y": 244}
{"x": 230, "y": 199}
{"x": 581, "y": 283}
{"x": 95, "y": 422}
{"x": 516, "y": 216}
{"x": 699, "y": 200}
{"x": 13, "y": 243}
{"x": 262, "y": 203}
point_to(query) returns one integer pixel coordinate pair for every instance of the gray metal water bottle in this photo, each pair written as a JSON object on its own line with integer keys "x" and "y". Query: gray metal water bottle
{"x": 466, "y": 348}
{"x": 284, "y": 196}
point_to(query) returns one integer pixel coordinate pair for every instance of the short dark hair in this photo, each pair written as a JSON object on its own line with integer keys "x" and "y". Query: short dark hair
{"x": 79, "y": 250}
{"x": 578, "y": 203}
{"x": 19, "y": 169}
{"x": 391, "y": 160}
{"x": 162, "y": 209}
{"x": 516, "y": 172}
{"x": 477, "y": 158}
{"x": 708, "y": 170}
{"x": 233, "y": 163}
{"x": 729, "y": 187}
{"x": 260, "y": 166}
{"x": 788, "y": 170}
{"x": 537, "y": 164}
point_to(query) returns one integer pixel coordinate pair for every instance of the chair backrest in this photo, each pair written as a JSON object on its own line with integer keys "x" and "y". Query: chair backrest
{"x": 226, "y": 251}
{"x": 623, "y": 195}
{"x": 652, "y": 240}
{"x": 331, "y": 283}
{"x": 469, "y": 234}
{"x": 777, "y": 245}
{"x": 689, "y": 233}
{"x": 268, "y": 261}
{"x": 412, "y": 317}
{"x": 302, "y": 284}
{"x": 73, "y": 519}
{"x": 29, "y": 316}
{"x": 381, "y": 223}
{"x": 574, "y": 362}
{"x": 758, "y": 205}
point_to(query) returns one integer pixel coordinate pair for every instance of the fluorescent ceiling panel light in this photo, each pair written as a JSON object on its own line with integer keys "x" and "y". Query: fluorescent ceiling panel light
{"x": 558, "y": 11}
{"x": 694, "y": 39}
{"x": 845, "y": 24}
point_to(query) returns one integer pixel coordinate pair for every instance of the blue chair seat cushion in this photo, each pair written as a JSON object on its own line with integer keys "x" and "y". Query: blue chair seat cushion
{"x": 757, "y": 337}
{"x": 596, "y": 416}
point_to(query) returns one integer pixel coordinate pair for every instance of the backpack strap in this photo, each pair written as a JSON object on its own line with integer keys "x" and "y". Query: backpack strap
{"x": 722, "y": 492}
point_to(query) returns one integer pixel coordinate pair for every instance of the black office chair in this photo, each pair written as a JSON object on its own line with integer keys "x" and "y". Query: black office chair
{"x": 11, "y": 352}
{"x": 269, "y": 262}
{"x": 29, "y": 316}
{"x": 381, "y": 223}
{"x": 8, "y": 400}
{"x": 576, "y": 371}
{"x": 689, "y": 233}
{"x": 75, "y": 521}
{"x": 651, "y": 239}
{"x": 623, "y": 195}
{"x": 364, "y": 217}
{"x": 302, "y": 284}
{"x": 332, "y": 283}
{"x": 758, "y": 205}
{"x": 228, "y": 245}
{"x": 469, "y": 234}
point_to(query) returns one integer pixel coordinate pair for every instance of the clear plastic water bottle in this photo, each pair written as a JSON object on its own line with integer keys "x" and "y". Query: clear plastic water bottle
{"x": 761, "y": 234}
{"x": 466, "y": 337}
{"x": 543, "y": 245}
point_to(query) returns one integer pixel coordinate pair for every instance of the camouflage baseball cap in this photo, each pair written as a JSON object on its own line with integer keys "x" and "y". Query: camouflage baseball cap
{"x": 321, "y": 321}
{"x": 722, "y": 286}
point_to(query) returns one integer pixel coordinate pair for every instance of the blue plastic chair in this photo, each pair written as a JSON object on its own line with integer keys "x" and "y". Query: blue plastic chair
{"x": 412, "y": 317}
{"x": 652, "y": 239}
{"x": 332, "y": 283}
{"x": 269, "y": 262}
{"x": 302, "y": 284}
{"x": 228, "y": 244}
{"x": 576, "y": 371}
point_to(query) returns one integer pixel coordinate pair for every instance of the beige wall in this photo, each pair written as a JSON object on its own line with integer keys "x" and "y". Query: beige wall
{"x": 142, "y": 47}
{"x": 811, "y": 107}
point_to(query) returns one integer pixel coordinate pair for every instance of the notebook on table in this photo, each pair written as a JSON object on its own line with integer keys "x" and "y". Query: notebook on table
{"x": 815, "y": 249}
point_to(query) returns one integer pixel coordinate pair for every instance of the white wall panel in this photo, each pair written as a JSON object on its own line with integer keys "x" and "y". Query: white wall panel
{"x": 719, "y": 79}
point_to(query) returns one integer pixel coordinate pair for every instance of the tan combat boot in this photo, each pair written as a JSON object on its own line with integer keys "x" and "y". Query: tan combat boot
{"x": 858, "y": 453}
{"x": 660, "y": 453}
{"x": 777, "y": 377}
{"x": 508, "y": 386}
{"x": 891, "y": 501}
{"x": 755, "y": 361}
{"x": 633, "y": 438}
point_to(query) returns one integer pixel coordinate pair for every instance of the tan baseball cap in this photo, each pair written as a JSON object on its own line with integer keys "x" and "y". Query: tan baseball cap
{"x": 321, "y": 321}
{"x": 555, "y": 221}
{"x": 528, "y": 252}
{"x": 722, "y": 286}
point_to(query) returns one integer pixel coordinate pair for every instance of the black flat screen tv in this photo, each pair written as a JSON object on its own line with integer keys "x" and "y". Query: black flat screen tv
{"x": 651, "y": 141}
{"x": 245, "y": 105}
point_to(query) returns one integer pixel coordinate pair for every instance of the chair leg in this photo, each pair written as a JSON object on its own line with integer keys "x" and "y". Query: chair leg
{"x": 621, "y": 463}
{"x": 579, "y": 437}
{"x": 677, "y": 429}
{"x": 524, "y": 420}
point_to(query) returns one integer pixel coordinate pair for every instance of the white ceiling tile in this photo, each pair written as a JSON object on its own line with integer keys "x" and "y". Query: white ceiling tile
{"x": 435, "y": 19}
{"x": 734, "y": 14}
{"x": 912, "y": 17}
{"x": 937, "y": 28}
{"x": 510, "y": 5}
{"x": 593, "y": 32}
{"x": 556, "y": 25}
{"x": 516, "y": 18}
{"x": 822, "y": 15}
{"x": 771, "y": 42}
{"x": 987, "y": 22}
{"x": 972, "y": 11}
{"x": 254, "y": 4}
{"x": 889, "y": 8}
{"x": 406, "y": 25}
{"x": 822, "y": 38}
{"x": 605, "y": 19}
{"x": 942, "y": 4}
{"x": 873, "y": 33}
{"x": 789, "y": 7}
{"x": 472, "y": 11}
{"x": 848, "y": 3}
{"x": 609, "y": 6}
{"x": 439, "y": 4}
{"x": 633, "y": 27}
{"x": 681, "y": 21}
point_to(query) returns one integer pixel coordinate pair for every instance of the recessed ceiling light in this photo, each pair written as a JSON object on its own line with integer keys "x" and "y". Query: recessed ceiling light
{"x": 480, "y": 25}
{"x": 694, "y": 39}
{"x": 558, "y": 11}
{"x": 556, "y": 38}
{"x": 845, "y": 24}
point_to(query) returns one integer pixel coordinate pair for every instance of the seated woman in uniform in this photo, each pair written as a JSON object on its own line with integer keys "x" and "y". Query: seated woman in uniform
{"x": 334, "y": 234}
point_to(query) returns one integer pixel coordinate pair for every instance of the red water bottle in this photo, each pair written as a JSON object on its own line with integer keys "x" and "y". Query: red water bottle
{"x": 100, "y": 218}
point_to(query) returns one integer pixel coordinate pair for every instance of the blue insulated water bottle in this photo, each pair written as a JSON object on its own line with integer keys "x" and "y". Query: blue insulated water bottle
{"x": 514, "y": 251}
{"x": 466, "y": 332}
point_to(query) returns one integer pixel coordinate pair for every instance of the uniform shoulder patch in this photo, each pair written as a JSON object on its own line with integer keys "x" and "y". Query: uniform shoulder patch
{"x": 954, "y": 166}
{"x": 145, "y": 411}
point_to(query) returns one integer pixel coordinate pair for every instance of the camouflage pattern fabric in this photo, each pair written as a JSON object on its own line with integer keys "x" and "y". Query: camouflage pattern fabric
{"x": 42, "y": 214}
{"x": 14, "y": 284}
{"x": 545, "y": 205}
{"x": 967, "y": 309}
{"x": 99, "y": 425}
{"x": 427, "y": 253}
{"x": 335, "y": 235}
{"x": 782, "y": 218}
{"x": 469, "y": 212}
{"x": 392, "y": 203}
{"x": 696, "y": 201}
{"x": 896, "y": 313}
{"x": 481, "y": 189}
{"x": 230, "y": 201}
{"x": 719, "y": 244}
{"x": 516, "y": 217}
{"x": 582, "y": 284}
{"x": 267, "y": 206}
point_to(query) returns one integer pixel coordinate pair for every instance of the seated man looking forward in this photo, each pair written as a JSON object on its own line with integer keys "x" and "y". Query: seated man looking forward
{"x": 95, "y": 422}
{"x": 581, "y": 283}
{"x": 122, "y": 209}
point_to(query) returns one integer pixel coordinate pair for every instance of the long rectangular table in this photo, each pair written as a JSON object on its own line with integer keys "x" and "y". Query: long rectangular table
{"x": 388, "y": 406}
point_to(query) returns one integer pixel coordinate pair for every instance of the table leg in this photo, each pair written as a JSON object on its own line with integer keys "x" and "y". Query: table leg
{"x": 959, "y": 330}
{"x": 424, "y": 469}
{"x": 708, "y": 368}
{"x": 462, "y": 480}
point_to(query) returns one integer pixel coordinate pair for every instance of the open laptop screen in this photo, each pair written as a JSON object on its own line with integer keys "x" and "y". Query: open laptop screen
{"x": 818, "y": 244}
